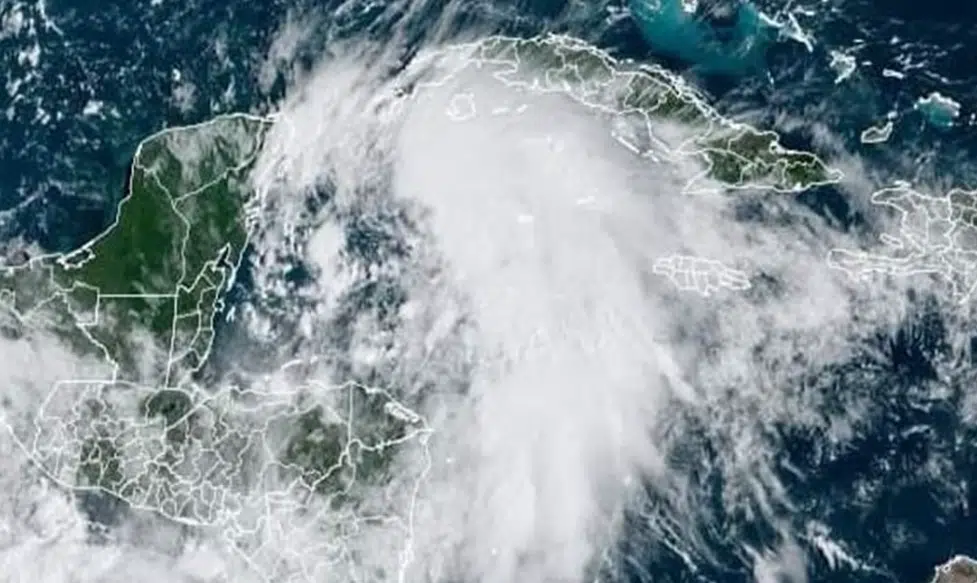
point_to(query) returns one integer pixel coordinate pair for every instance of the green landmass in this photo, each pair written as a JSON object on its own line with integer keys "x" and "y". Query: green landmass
{"x": 736, "y": 155}
{"x": 174, "y": 407}
{"x": 352, "y": 443}
{"x": 147, "y": 288}
{"x": 100, "y": 465}
{"x": 318, "y": 452}
{"x": 144, "y": 294}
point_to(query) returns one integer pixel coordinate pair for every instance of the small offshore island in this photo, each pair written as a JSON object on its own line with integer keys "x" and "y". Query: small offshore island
{"x": 146, "y": 429}
{"x": 959, "y": 569}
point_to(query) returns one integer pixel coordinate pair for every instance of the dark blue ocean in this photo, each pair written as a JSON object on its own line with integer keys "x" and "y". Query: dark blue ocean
{"x": 85, "y": 81}
{"x": 127, "y": 63}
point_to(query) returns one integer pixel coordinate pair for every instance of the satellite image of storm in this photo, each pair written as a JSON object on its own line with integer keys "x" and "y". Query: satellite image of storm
{"x": 488, "y": 291}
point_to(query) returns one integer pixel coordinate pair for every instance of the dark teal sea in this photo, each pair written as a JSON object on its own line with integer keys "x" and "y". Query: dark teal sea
{"x": 62, "y": 170}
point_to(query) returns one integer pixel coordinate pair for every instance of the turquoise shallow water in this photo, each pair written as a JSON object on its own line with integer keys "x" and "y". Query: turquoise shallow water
{"x": 123, "y": 56}
{"x": 734, "y": 46}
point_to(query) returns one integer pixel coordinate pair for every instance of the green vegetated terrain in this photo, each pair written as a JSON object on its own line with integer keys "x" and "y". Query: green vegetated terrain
{"x": 147, "y": 288}
{"x": 142, "y": 297}
{"x": 736, "y": 155}
{"x": 332, "y": 449}
{"x": 185, "y": 454}
{"x": 748, "y": 157}
{"x": 143, "y": 294}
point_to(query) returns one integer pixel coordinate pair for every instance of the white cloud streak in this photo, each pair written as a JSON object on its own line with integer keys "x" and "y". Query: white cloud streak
{"x": 536, "y": 237}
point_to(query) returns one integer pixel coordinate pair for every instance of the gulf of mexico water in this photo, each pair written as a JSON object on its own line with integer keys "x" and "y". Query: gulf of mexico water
{"x": 85, "y": 82}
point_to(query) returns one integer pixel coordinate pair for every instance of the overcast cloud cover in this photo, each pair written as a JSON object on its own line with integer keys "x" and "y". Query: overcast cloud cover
{"x": 558, "y": 372}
